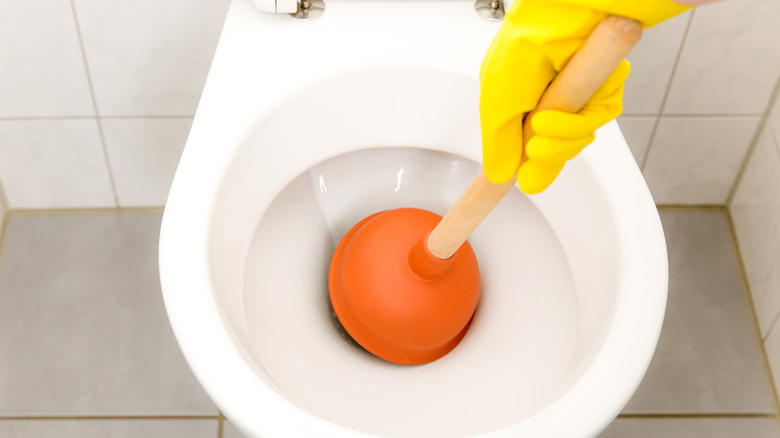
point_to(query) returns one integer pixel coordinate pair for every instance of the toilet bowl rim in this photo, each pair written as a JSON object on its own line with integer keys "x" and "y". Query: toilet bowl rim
{"x": 212, "y": 327}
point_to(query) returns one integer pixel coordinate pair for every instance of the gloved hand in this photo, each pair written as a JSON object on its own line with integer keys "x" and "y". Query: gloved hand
{"x": 535, "y": 41}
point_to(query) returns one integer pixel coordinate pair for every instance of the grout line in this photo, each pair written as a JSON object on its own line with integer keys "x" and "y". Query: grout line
{"x": 102, "y": 136}
{"x": 689, "y": 207}
{"x": 221, "y": 425}
{"x": 3, "y": 233}
{"x": 160, "y": 209}
{"x": 101, "y": 117}
{"x": 774, "y": 141}
{"x": 775, "y": 151}
{"x": 667, "y": 91}
{"x": 692, "y": 416}
{"x": 85, "y": 211}
{"x": 753, "y": 316}
{"x": 4, "y": 204}
{"x": 629, "y": 115}
{"x": 150, "y": 117}
{"x": 189, "y": 116}
{"x": 699, "y": 116}
{"x": 106, "y": 417}
{"x": 754, "y": 141}
{"x": 42, "y": 118}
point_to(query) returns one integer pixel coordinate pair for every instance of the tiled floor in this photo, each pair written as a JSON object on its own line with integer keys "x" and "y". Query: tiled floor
{"x": 86, "y": 350}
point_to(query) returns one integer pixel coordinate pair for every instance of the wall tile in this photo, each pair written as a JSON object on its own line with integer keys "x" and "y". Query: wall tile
{"x": 149, "y": 57}
{"x": 652, "y": 61}
{"x": 695, "y": 160}
{"x": 772, "y": 347}
{"x": 637, "y": 130}
{"x": 143, "y": 155}
{"x": 53, "y": 164}
{"x": 756, "y": 214}
{"x": 2, "y": 215}
{"x": 774, "y": 116}
{"x": 730, "y": 60}
{"x": 41, "y": 66}
{"x": 108, "y": 428}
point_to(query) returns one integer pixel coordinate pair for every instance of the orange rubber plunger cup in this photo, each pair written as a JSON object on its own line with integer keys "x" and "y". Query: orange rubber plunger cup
{"x": 394, "y": 297}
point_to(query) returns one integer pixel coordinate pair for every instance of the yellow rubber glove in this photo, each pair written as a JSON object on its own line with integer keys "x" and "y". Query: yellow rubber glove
{"x": 535, "y": 41}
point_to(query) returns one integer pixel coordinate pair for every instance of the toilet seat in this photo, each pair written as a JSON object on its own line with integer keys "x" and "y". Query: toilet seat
{"x": 341, "y": 81}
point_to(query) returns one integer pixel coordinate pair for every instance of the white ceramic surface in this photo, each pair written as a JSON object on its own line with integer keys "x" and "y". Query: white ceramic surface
{"x": 638, "y": 131}
{"x": 148, "y": 57}
{"x": 250, "y": 177}
{"x": 772, "y": 346}
{"x": 142, "y": 155}
{"x": 42, "y": 73}
{"x": 652, "y": 63}
{"x": 2, "y": 206}
{"x": 755, "y": 210}
{"x": 516, "y": 352}
{"x": 695, "y": 160}
{"x": 774, "y": 115}
{"x": 54, "y": 164}
{"x": 730, "y": 61}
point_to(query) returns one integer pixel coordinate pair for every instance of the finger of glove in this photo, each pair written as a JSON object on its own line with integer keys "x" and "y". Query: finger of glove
{"x": 502, "y": 150}
{"x": 605, "y": 105}
{"x": 514, "y": 76}
{"x": 533, "y": 176}
{"x": 554, "y": 150}
{"x": 614, "y": 81}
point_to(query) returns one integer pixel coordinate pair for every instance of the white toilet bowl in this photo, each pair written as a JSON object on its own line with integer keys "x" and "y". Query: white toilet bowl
{"x": 306, "y": 127}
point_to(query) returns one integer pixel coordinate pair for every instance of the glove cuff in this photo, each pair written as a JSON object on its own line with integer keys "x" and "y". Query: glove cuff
{"x": 647, "y": 12}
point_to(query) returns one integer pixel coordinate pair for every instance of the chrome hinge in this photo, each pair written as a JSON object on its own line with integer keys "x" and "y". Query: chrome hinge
{"x": 490, "y": 9}
{"x": 309, "y": 9}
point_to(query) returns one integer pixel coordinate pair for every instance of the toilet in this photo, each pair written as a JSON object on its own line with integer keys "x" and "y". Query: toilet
{"x": 306, "y": 126}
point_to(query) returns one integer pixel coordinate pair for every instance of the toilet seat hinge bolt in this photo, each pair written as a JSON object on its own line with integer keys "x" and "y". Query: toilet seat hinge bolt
{"x": 308, "y": 9}
{"x": 490, "y": 9}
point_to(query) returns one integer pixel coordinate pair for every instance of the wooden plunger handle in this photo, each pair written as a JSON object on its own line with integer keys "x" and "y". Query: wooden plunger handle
{"x": 598, "y": 57}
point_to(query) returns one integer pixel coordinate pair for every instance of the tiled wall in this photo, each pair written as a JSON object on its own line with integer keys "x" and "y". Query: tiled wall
{"x": 2, "y": 212}
{"x": 98, "y": 95}
{"x": 755, "y": 211}
{"x": 700, "y": 85}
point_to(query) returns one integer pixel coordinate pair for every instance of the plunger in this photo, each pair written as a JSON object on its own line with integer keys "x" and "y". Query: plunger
{"x": 405, "y": 283}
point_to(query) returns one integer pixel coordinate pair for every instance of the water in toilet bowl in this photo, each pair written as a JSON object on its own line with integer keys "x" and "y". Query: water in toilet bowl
{"x": 508, "y": 365}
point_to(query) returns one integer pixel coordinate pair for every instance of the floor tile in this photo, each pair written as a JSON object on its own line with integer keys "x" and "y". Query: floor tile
{"x": 82, "y": 317}
{"x": 708, "y": 359}
{"x": 692, "y": 428}
{"x": 108, "y": 428}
